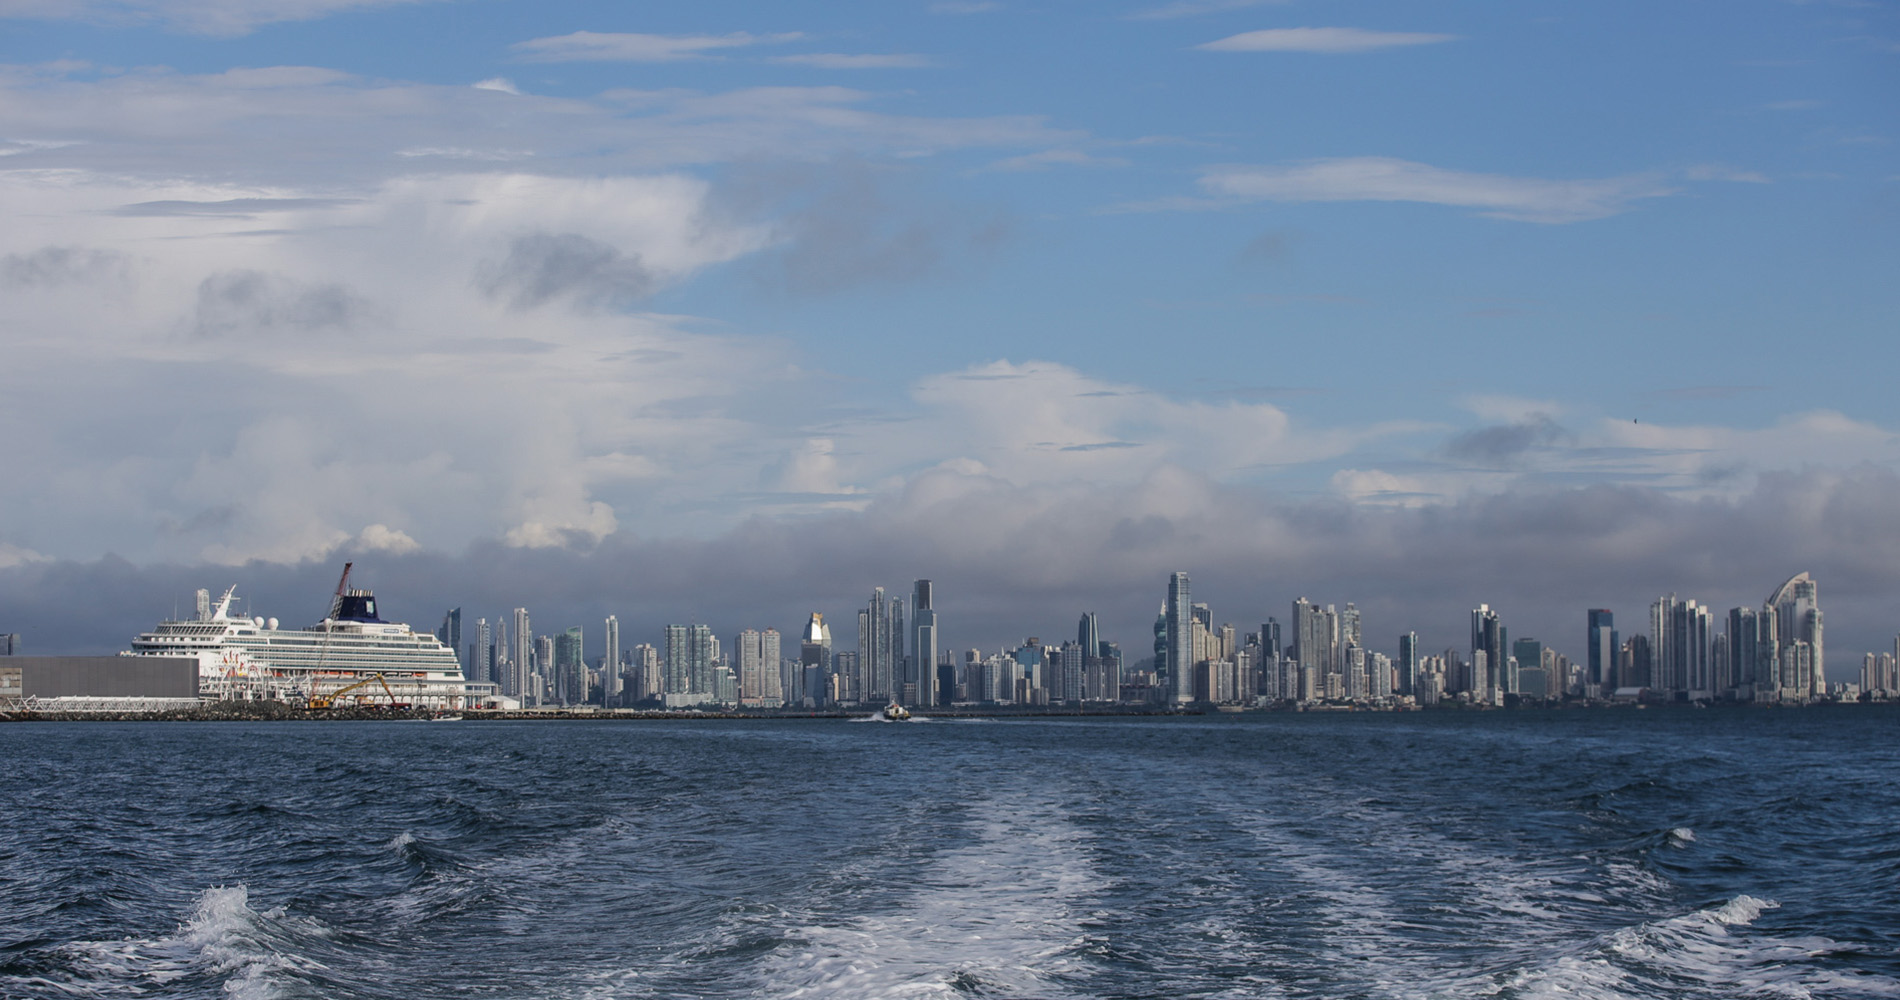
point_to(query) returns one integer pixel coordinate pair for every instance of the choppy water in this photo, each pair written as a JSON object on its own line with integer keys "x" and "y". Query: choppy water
{"x": 1601, "y": 854}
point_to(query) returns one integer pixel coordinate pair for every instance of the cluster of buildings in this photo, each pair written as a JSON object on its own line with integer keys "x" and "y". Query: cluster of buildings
{"x": 1319, "y": 656}
{"x": 899, "y": 657}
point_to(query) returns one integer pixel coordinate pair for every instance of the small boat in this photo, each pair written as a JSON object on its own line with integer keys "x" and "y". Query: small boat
{"x": 894, "y": 712}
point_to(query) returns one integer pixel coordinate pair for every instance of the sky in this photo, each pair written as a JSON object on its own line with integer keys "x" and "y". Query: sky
{"x": 730, "y": 312}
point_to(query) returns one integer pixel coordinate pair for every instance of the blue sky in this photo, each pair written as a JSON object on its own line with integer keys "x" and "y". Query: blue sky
{"x": 290, "y": 280}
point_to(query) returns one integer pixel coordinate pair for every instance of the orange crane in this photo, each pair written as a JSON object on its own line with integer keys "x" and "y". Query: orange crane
{"x": 329, "y": 700}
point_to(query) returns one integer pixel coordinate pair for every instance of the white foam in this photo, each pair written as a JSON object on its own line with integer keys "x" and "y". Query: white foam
{"x": 1681, "y": 835}
{"x": 1001, "y": 915}
{"x": 400, "y": 841}
{"x": 223, "y": 938}
{"x": 1699, "y": 954}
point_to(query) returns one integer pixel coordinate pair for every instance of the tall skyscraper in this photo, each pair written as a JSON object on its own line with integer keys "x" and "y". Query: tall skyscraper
{"x": 1796, "y": 606}
{"x": 1089, "y": 633}
{"x": 903, "y": 689}
{"x": 1488, "y": 637}
{"x": 478, "y": 668}
{"x": 878, "y": 651}
{"x": 1312, "y": 650}
{"x": 814, "y": 654}
{"x": 1599, "y": 670}
{"x": 1526, "y": 654}
{"x": 1180, "y": 626}
{"x": 1408, "y": 663}
{"x": 1679, "y": 641}
{"x": 521, "y": 662}
{"x": 450, "y": 633}
{"x": 924, "y": 646}
{"x": 570, "y": 668}
{"x": 610, "y": 679}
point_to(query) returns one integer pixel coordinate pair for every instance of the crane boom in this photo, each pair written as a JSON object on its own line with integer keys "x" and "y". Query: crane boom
{"x": 329, "y": 700}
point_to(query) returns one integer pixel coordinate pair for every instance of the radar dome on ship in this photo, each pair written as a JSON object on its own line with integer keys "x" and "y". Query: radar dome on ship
{"x": 271, "y": 623}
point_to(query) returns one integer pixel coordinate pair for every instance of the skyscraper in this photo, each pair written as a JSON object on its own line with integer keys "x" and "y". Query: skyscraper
{"x": 1408, "y": 663}
{"x": 1599, "y": 671}
{"x": 876, "y": 650}
{"x": 521, "y": 663}
{"x": 610, "y": 665}
{"x": 450, "y": 633}
{"x": 1679, "y": 642}
{"x": 1487, "y": 637}
{"x": 814, "y": 655}
{"x": 923, "y": 654}
{"x": 477, "y": 667}
{"x": 1089, "y": 633}
{"x": 1312, "y": 650}
{"x": 1180, "y": 626}
{"x": 570, "y": 668}
{"x": 1796, "y": 606}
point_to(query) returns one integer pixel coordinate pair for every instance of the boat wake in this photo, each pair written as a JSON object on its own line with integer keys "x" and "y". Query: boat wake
{"x": 224, "y": 946}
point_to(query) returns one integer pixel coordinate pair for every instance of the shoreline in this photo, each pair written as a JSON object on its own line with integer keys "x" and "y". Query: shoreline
{"x": 279, "y": 712}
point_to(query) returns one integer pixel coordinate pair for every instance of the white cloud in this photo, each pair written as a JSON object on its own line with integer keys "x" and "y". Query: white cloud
{"x": 1331, "y": 41}
{"x": 1718, "y": 172}
{"x": 498, "y": 83}
{"x": 1049, "y": 158}
{"x": 1371, "y": 178}
{"x": 353, "y": 130}
{"x": 383, "y": 538}
{"x": 14, "y": 555}
{"x": 594, "y": 46}
{"x": 836, "y": 60}
{"x": 1195, "y": 8}
{"x": 206, "y": 17}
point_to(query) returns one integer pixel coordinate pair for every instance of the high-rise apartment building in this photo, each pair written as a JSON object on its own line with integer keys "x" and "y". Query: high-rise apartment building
{"x": 1179, "y": 611}
{"x": 1408, "y": 664}
{"x": 521, "y": 661}
{"x": 814, "y": 656}
{"x": 931, "y": 688}
{"x": 1488, "y": 637}
{"x": 1312, "y": 650}
{"x": 878, "y": 651}
{"x": 1599, "y": 670}
{"x": 757, "y": 658}
{"x": 1796, "y": 606}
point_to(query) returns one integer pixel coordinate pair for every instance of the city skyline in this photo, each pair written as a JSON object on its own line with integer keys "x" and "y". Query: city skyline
{"x": 579, "y": 301}
{"x": 1768, "y": 655}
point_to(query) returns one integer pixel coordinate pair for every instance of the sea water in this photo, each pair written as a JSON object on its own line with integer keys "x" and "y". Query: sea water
{"x": 1592, "y": 854}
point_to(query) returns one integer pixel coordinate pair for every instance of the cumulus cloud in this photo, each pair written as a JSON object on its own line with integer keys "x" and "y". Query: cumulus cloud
{"x": 1503, "y": 444}
{"x": 595, "y": 46}
{"x": 57, "y": 266}
{"x": 544, "y": 266}
{"x": 1371, "y": 178}
{"x": 1330, "y": 41}
{"x": 1012, "y": 561}
{"x": 250, "y": 302}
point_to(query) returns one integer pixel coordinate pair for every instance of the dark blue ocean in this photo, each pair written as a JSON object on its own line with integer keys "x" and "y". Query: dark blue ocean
{"x": 1724, "y": 853}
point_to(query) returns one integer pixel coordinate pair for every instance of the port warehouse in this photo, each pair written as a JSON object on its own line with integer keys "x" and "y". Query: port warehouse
{"x": 103, "y": 683}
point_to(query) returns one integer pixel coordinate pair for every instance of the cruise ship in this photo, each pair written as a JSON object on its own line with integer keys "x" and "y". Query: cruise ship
{"x": 251, "y": 658}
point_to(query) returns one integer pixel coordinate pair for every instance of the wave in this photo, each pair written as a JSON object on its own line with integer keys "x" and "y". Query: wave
{"x": 1706, "y": 953}
{"x": 224, "y": 944}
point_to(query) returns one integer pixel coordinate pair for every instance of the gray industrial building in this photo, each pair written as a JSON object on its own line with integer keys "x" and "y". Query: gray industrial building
{"x": 105, "y": 682}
